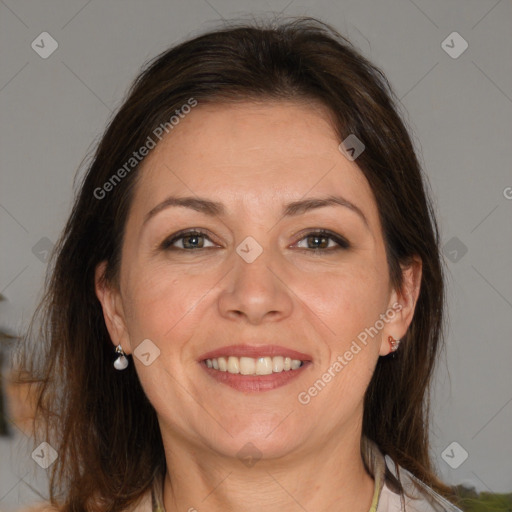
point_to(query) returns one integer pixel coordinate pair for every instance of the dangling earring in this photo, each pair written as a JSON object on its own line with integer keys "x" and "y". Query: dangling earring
{"x": 121, "y": 363}
{"x": 393, "y": 344}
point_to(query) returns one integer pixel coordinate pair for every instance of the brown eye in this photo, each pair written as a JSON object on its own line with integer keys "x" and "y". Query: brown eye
{"x": 320, "y": 240}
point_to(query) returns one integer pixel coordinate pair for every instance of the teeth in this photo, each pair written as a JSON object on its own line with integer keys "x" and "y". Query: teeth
{"x": 278, "y": 364}
{"x": 247, "y": 366}
{"x": 233, "y": 364}
{"x": 264, "y": 366}
{"x": 295, "y": 364}
{"x": 251, "y": 366}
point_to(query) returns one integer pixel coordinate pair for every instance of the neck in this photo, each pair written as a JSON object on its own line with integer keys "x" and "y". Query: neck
{"x": 330, "y": 477}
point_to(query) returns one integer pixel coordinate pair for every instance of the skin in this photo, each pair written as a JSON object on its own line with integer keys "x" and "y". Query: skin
{"x": 254, "y": 158}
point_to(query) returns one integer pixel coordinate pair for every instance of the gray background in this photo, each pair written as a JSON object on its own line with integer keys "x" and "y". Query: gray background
{"x": 460, "y": 114}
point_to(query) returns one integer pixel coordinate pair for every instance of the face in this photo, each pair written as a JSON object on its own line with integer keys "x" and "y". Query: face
{"x": 255, "y": 282}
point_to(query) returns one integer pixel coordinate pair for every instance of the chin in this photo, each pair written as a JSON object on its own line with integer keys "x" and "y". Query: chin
{"x": 267, "y": 440}
{"x": 250, "y": 450}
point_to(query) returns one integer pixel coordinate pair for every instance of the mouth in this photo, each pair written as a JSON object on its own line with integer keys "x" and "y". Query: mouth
{"x": 249, "y": 368}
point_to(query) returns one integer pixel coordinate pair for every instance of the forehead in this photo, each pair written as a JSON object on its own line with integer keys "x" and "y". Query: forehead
{"x": 253, "y": 153}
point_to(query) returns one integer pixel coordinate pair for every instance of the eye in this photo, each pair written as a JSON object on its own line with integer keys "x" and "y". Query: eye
{"x": 320, "y": 240}
{"x": 192, "y": 239}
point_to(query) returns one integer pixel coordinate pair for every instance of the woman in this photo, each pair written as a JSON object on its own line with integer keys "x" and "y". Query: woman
{"x": 246, "y": 304}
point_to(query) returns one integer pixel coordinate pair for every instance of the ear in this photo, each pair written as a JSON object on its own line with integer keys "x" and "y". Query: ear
{"x": 403, "y": 303}
{"x": 110, "y": 299}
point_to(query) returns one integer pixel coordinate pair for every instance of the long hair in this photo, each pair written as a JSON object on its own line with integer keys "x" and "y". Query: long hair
{"x": 99, "y": 421}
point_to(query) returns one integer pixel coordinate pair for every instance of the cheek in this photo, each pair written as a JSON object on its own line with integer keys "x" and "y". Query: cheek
{"x": 346, "y": 301}
{"x": 348, "y": 304}
{"x": 162, "y": 301}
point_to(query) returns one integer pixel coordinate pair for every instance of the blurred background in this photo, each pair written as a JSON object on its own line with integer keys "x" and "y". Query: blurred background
{"x": 65, "y": 69}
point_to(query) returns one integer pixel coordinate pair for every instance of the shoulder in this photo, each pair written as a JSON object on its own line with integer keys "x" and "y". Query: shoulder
{"x": 418, "y": 496}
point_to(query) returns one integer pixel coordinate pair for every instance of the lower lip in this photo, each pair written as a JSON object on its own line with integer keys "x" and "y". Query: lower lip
{"x": 255, "y": 383}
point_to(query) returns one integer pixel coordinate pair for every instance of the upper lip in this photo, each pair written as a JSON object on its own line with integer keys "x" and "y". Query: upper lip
{"x": 255, "y": 351}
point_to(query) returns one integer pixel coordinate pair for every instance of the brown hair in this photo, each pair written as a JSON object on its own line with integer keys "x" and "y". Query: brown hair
{"x": 100, "y": 422}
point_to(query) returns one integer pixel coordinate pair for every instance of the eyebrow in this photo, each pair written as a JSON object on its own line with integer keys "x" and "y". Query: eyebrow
{"x": 214, "y": 208}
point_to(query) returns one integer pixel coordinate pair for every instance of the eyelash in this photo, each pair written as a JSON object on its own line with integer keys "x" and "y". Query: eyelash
{"x": 167, "y": 245}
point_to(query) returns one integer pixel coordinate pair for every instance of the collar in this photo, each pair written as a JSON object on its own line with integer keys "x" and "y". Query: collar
{"x": 376, "y": 465}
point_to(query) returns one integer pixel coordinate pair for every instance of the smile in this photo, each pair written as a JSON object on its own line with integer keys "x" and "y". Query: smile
{"x": 265, "y": 365}
{"x": 254, "y": 368}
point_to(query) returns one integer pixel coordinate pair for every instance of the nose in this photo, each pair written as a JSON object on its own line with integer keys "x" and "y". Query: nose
{"x": 256, "y": 291}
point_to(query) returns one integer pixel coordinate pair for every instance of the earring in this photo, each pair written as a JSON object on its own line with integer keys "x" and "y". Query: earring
{"x": 393, "y": 344}
{"x": 121, "y": 363}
